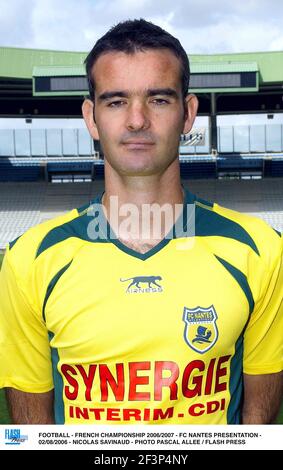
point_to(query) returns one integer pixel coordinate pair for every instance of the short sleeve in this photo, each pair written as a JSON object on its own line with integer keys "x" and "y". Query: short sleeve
{"x": 263, "y": 338}
{"x": 25, "y": 359}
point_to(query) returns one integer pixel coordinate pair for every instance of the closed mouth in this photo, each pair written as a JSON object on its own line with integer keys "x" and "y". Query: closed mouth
{"x": 138, "y": 143}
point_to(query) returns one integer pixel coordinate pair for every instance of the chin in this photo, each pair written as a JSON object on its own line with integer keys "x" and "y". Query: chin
{"x": 138, "y": 171}
{"x": 138, "y": 165}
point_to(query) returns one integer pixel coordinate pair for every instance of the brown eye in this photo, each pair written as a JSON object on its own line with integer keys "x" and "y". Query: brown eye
{"x": 115, "y": 104}
{"x": 160, "y": 101}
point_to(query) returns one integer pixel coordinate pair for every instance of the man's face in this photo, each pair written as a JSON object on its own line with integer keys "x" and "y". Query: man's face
{"x": 139, "y": 110}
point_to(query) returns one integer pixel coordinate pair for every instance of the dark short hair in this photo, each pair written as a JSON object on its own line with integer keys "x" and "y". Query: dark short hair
{"x": 137, "y": 35}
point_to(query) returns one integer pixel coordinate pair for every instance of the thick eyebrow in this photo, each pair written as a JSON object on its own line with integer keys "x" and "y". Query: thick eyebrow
{"x": 163, "y": 92}
{"x": 151, "y": 92}
{"x": 111, "y": 94}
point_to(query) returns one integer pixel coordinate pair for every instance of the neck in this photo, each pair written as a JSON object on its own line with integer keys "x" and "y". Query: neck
{"x": 141, "y": 229}
{"x": 160, "y": 188}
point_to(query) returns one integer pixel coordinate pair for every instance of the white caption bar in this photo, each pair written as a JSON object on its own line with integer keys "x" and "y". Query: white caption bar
{"x": 141, "y": 437}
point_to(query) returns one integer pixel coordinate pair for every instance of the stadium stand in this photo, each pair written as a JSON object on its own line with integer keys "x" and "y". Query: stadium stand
{"x": 274, "y": 167}
{"x": 197, "y": 167}
{"x": 20, "y": 169}
{"x": 20, "y": 206}
{"x": 23, "y": 205}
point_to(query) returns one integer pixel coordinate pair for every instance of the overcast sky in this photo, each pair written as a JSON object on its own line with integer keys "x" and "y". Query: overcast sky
{"x": 203, "y": 26}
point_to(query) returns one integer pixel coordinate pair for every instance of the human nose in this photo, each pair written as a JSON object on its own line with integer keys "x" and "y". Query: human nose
{"x": 137, "y": 117}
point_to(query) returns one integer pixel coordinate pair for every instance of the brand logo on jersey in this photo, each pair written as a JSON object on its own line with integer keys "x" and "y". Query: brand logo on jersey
{"x": 201, "y": 331}
{"x": 143, "y": 284}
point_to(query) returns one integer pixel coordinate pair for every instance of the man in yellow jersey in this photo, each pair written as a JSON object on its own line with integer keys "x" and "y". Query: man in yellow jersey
{"x": 103, "y": 321}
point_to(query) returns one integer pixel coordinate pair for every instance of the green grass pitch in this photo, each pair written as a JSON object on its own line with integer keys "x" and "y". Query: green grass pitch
{"x": 4, "y": 415}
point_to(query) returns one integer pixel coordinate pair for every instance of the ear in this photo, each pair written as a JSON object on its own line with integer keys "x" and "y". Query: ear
{"x": 191, "y": 107}
{"x": 88, "y": 115}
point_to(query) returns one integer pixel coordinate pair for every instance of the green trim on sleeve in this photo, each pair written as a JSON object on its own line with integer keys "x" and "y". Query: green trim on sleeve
{"x": 51, "y": 286}
{"x": 236, "y": 384}
{"x": 211, "y": 224}
{"x": 241, "y": 280}
{"x": 59, "y": 409}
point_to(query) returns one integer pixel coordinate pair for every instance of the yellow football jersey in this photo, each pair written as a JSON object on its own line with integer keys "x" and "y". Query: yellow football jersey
{"x": 156, "y": 338}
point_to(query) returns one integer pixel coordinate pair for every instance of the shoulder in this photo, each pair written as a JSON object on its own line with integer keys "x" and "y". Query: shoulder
{"x": 267, "y": 240}
{"x": 22, "y": 252}
{"x": 221, "y": 225}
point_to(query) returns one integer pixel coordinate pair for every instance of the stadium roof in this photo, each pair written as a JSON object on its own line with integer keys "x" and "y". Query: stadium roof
{"x": 19, "y": 63}
{"x": 53, "y": 83}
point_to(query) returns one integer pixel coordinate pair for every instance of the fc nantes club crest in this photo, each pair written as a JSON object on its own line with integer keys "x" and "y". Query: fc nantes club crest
{"x": 201, "y": 331}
